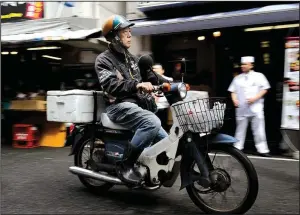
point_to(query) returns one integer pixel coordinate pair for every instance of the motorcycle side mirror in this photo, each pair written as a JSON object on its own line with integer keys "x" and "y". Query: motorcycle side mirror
{"x": 145, "y": 64}
{"x": 183, "y": 67}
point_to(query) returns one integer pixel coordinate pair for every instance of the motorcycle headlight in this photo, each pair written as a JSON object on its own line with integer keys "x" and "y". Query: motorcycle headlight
{"x": 182, "y": 90}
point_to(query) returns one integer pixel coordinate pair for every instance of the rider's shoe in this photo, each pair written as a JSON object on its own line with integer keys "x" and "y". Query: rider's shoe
{"x": 127, "y": 171}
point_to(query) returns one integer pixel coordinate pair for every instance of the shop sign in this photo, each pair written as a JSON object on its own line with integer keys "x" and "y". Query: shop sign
{"x": 290, "y": 104}
{"x": 17, "y": 11}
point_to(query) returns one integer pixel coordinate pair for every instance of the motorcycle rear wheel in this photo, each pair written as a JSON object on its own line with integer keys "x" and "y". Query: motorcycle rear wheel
{"x": 87, "y": 182}
{"x": 253, "y": 185}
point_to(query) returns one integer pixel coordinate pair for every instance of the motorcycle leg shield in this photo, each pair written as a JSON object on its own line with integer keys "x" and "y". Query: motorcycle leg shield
{"x": 127, "y": 172}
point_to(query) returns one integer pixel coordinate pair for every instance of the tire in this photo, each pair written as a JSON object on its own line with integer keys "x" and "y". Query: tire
{"x": 85, "y": 181}
{"x": 252, "y": 186}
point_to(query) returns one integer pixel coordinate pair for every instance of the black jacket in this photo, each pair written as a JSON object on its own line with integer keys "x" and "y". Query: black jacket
{"x": 117, "y": 81}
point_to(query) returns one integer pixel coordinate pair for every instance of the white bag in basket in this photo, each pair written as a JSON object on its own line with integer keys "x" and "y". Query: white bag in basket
{"x": 196, "y": 116}
{"x": 217, "y": 114}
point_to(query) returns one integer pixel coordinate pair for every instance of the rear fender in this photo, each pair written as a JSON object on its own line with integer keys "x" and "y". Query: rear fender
{"x": 70, "y": 138}
{"x": 77, "y": 143}
{"x": 75, "y": 139}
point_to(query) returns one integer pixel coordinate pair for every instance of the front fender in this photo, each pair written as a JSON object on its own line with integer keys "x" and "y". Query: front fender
{"x": 223, "y": 138}
{"x": 191, "y": 153}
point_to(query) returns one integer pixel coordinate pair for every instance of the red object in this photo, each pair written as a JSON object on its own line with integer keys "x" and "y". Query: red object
{"x": 71, "y": 128}
{"x": 25, "y": 136}
{"x": 34, "y": 10}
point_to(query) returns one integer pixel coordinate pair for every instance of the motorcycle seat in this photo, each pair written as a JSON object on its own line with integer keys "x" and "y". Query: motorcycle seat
{"x": 107, "y": 123}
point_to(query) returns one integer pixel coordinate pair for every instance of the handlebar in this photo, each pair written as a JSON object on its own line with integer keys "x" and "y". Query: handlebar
{"x": 166, "y": 87}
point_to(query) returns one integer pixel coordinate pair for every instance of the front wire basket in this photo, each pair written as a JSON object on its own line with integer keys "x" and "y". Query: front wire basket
{"x": 201, "y": 115}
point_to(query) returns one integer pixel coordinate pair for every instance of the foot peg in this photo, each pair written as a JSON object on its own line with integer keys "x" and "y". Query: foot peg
{"x": 128, "y": 175}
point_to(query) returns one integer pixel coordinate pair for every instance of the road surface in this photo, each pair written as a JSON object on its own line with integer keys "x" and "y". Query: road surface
{"x": 37, "y": 181}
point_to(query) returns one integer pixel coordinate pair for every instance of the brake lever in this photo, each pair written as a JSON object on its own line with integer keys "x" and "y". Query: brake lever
{"x": 159, "y": 93}
{"x": 156, "y": 90}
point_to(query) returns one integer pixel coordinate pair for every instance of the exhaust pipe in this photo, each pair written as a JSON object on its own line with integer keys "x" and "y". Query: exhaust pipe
{"x": 94, "y": 175}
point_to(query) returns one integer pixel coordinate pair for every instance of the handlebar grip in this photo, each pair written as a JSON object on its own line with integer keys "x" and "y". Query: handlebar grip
{"x": 165, "y": 87}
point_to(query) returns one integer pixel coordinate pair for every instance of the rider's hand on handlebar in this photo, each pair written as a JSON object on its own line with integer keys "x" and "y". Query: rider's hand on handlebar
{"x": 147, "y": 86}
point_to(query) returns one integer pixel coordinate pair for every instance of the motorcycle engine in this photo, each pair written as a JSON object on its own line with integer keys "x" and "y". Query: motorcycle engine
{"x": 141, "y": 170}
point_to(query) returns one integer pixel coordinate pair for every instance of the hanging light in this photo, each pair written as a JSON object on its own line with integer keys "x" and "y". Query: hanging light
{"x": 217, "y": 33}
{"x": 51, "y": 57}
{"x": 43, "y": 48}
{"x": 201, "y": 38}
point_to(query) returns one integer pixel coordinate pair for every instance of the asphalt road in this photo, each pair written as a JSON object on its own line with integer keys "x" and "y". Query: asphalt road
{"x": 37, "y": 181}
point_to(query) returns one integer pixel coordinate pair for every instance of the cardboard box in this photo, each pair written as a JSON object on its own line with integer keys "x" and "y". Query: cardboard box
{"x": 28, "y": 105}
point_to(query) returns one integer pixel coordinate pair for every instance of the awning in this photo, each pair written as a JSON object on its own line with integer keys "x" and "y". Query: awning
{"x": 153, "y": 5}
{"x": 49, "y": 30}
{"x": 263, "y": 15}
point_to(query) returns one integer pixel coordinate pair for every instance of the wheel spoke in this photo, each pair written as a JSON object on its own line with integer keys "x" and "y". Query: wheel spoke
{"x": 83, "y": 158}
{"x": 233, "y": 190}
{"x": 224, "y": 197}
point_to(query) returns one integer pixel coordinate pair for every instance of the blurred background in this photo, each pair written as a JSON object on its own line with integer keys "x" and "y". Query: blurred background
{"x": 53, "y": 46}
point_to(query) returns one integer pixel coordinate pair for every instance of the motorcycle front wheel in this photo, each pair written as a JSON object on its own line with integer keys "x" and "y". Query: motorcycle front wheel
{"x": 223, "y": 183}
{"x": 80, "y": 160}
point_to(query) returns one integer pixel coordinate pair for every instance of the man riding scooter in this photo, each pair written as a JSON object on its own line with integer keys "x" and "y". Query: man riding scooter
{"x": 122, "y": 83}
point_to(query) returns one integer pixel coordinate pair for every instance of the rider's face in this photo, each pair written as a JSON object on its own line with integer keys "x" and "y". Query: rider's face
{"x": 125, "y": 37}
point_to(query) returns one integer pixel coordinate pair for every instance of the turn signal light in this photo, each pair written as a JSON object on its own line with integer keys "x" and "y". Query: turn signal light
{"x": 187, "y": 87}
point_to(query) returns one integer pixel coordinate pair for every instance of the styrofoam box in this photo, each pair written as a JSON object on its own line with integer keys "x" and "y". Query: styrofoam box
{"x": 73, "y": 106}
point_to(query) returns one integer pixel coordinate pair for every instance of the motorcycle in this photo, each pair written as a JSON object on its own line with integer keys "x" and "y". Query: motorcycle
{"x": 193, "y": 138}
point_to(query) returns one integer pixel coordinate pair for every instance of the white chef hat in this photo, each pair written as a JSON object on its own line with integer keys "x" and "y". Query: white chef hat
{"x": 247, "y": 59}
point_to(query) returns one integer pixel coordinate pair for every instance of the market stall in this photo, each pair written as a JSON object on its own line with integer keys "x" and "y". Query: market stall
{"x": 42, "y": 55}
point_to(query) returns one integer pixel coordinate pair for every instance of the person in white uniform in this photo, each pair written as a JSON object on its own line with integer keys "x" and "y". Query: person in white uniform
{"x": 162, "y": 102}
{"x": 160, "y": 70}
{"x": 247, "y": 92}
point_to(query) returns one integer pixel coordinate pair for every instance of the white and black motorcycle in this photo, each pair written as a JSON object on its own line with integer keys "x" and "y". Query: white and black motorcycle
{"x": 190, "y": 150}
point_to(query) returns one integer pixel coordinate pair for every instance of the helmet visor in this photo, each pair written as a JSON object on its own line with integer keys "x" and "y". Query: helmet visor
{"x": 125, "y": 25}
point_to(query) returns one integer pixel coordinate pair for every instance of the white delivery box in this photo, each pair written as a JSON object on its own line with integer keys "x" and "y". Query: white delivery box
{"x": 73, "y": 106}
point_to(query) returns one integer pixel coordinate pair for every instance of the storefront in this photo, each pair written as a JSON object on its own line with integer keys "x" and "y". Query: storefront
{"x": 212, "y": 44}
{"x": 42, "y": 55}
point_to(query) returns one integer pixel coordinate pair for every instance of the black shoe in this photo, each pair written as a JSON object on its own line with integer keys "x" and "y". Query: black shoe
{"x": 127, "y": 171}
{"x": 264, "y": 155}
